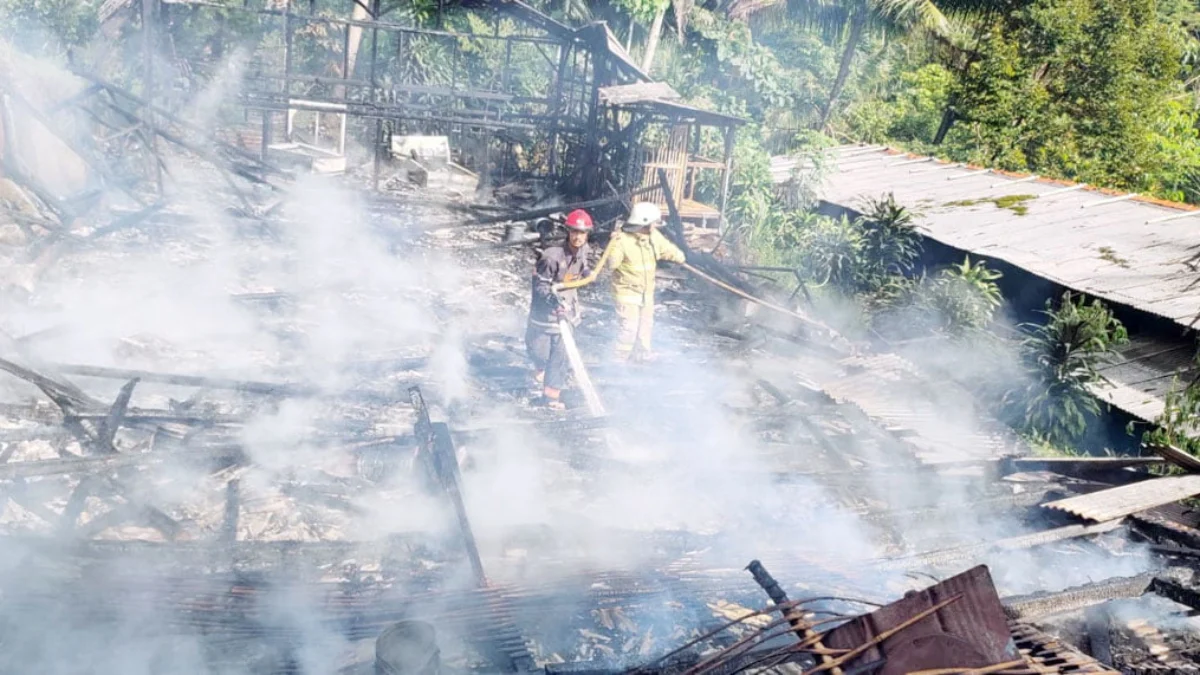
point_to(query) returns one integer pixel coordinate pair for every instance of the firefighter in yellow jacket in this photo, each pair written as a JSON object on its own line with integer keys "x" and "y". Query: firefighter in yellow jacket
{"x": 633, "y": 258}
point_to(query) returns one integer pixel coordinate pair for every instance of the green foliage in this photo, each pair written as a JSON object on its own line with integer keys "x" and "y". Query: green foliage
{"x": 910, "y": 110}
{"x": 813, "y": 164}
{"x": 46, "y": 27}
{"x": 722, "y": 56}
{"x": 1176, "y": 426}
{"x": 867, "y": 255}
{"x": 750, "y": 199}
{"x": 642, "y": 11}
{"x": 961, "y": 299}
{"x": 1069, "y": 88}
{"x": 830, "y": 251}
{"x": 1063, "y": 357}
{"x": 890, "y": 244}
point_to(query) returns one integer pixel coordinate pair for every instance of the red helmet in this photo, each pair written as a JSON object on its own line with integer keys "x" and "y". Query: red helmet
{"x": 578, "y": 220}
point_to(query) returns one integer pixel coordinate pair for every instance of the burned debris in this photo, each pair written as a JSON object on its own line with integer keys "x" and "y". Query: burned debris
{"x": 333, "y": 468}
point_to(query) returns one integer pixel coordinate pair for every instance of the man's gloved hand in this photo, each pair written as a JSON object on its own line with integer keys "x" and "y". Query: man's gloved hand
{"x": 554, "y": 301}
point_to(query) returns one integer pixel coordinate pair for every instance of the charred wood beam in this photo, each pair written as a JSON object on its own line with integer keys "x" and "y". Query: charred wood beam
{"x": 437, "y": 453}
{"x": 1035, "y": 606}
{"x": 1010, "y": 544}
{"x": 446, "y": 463}
{"x": 95, "y": 164}
{"x": 676, "y": 223}
{"x": 74, "y": 99}
{"x": 64, "y": 394}
{"x": 1174, "y": 591}
{"x": 243, "y": 155}
{"x": 1010, "y": 465}
{"x": 423, "y": 433}
{"x": 75, "y": 502}
{"x": 131, "y": 508}
{"x": 1177, "y": 457}
{"x": 116, "y": 416}
{"x": 250, "y": 386}
{"x": 543, "y": 212}
{"x": 382, "y": 111}
{"x": 266, "y": 553}
{"x": 108, "y": 463}
{"x": 213, "y": 157}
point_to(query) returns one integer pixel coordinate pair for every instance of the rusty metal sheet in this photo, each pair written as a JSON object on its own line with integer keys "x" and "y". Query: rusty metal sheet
{"x": 969, "y": 633}
{"x": 1126, "y": 500}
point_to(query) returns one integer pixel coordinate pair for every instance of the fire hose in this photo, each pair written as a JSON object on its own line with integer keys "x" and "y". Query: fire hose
{"x": 594, "y": 404}
{"x": 579, "y": 283}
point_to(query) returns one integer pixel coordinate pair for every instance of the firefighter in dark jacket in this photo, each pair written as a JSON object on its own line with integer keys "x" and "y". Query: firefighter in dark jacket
{"x": 557, "y": 264}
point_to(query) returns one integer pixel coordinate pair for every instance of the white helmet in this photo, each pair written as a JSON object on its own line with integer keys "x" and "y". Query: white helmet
{"x": 643, "y": 214}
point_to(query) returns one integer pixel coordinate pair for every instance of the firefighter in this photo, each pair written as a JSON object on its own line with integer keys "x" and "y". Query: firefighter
{"x": 557, "y": 265}
{"x": 635, "y": 252}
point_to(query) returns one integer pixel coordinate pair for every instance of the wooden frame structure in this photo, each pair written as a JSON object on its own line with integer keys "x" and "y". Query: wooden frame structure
{"x": 518, "y": 79}
{"x": 638, "y": 113}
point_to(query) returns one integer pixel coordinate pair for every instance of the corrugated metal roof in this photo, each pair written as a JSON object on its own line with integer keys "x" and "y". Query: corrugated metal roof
{"x": 1126, "y": 500}
{"x": 1148, "y": 366}
{"x": 1110, "y": 246}
{"x": 1079, "y": 238}
{"x": 942, "y": 421}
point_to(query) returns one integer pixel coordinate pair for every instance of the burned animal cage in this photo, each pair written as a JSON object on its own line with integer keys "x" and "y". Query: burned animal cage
{"x": 516, "y": 91}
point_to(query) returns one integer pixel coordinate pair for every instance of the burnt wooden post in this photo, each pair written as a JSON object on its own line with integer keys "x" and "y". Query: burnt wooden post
{"x": 374, "y": 93}
{"x": 439, "y": 461}
{"x": 727, "y": 176}
{"x": 599, "y": 73}
{"x": 287, "y": 65}
{"x": 675, "y": 220}
{"x": 556, "y": 108}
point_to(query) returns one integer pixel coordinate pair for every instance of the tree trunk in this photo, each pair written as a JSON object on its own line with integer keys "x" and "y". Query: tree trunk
{"x": 948, "y": 117}
{"x": 652, "y": 38}
{"x": 358, "y": 12}
{"x": 858, "y": 22}
{"x": 629, "y": 38}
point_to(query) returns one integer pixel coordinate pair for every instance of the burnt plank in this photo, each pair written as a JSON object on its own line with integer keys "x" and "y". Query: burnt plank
{"x": 116, "y": 415}
{"x": 79, "y": 495}
{"x": 249, "y": 386}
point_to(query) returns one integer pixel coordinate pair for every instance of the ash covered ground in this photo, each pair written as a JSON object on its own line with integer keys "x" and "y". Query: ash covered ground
{"x": 273, "y": 520}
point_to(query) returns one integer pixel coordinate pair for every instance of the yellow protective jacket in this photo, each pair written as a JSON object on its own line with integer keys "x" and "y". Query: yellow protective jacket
{"x": 633, "y": 260}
